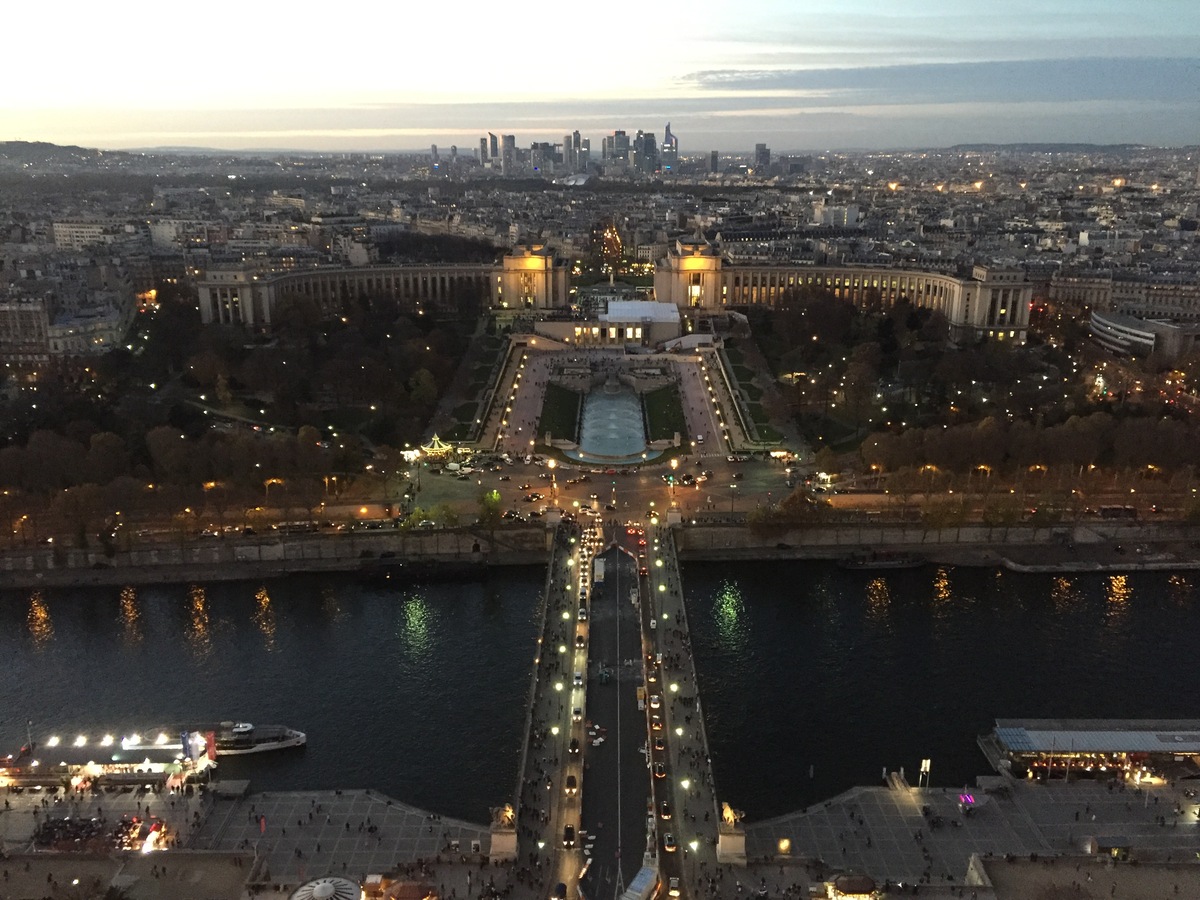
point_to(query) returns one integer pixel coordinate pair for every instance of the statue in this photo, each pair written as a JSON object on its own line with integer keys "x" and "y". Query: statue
{"x": 730, "y": 815}
{"x": 503, "y": 817}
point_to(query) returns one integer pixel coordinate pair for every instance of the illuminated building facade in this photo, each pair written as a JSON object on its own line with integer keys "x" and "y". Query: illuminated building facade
{"x": 991, "y": 303}
{"x": 529, "y": 278}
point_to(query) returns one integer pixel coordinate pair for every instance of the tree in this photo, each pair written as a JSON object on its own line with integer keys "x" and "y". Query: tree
{"x": 422, "y": 388}
{"x": 489, "y": 509}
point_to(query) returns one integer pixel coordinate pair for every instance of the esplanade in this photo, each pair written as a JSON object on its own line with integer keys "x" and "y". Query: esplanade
{"x": 991, "y": 302}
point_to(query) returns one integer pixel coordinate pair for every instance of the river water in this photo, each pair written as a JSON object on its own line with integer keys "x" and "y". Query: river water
{"x": 421, "y": 693}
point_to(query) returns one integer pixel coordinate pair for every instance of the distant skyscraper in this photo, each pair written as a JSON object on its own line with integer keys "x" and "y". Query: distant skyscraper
{"x": 669, "y": 157}
{"x": 645, "y": 152}
{"x": 508, "y": 154}
{"x": 714, "y": 162}
{"x": 762, "y": 157}
{"x": 433, "y": 154}
{"x": 568, "y": 153}
{"x": 583, "y": 157}
{"x": 493, "y": 146}
{"x": 483, "y": 151}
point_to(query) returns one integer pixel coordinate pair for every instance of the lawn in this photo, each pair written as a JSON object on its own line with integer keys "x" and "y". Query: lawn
{"x": 560, "y": 414}
{"x": 664, "y": 414}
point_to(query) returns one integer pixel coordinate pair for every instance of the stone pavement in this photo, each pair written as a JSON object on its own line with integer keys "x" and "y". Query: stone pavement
{"x": 304, "y": 834}
{"x": 882, "y": 831}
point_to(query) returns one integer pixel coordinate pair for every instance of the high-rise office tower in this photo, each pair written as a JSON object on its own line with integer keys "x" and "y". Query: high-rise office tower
{"x": 669, "y": 157}
{"x": 568, "y": 153}
{"x": 645, "y": 152}
{"x": 483, "y": 151}
{"x": 493, "y": 146}
{"x": 508, "y": 154}
{"x": 714, "y": 162}
{"x": 583, "y": 156}
{"x": 433, "y": 154}
{"x": 762, "y": 158}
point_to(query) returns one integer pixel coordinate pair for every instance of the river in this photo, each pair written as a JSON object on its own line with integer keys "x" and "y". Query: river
{"x": 420, "y": 693}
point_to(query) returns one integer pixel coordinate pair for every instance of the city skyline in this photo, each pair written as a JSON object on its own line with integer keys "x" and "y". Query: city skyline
{"x": 835, "y": 75}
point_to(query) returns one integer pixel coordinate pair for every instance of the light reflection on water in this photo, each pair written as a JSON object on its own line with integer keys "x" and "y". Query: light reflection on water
{"x": 131, "y": 616}
{"x": 264, "y": 617}
{"x": 415, "y": 616}
{"x": 729, "y": 614}
{"x": 419, "y": 696}
{"x": 879, "y": 597}
{"x": 850, "y": 673}
{"x": 199, "y": 635}
{"x": 41, "y": 629}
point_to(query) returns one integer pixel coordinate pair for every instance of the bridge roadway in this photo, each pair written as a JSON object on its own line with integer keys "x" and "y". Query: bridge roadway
{"x": 611, "y": 781}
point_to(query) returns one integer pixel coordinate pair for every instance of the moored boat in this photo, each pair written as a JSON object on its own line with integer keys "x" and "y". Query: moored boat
{"x": 882, "y": 559}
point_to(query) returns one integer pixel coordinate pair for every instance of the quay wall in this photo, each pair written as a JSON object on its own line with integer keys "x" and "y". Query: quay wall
{"x": 1069, "y": 547}
{"x": 234, "y": 558}
{"x": 1080, "y": 547}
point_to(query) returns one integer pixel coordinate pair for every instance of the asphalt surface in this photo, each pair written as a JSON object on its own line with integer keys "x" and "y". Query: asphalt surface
{"x": 614, "y": 802}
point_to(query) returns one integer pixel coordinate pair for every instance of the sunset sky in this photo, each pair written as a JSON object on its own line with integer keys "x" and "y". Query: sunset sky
{"x": 797, "y": 74}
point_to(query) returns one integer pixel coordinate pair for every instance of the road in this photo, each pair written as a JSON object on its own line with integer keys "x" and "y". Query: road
{"x": 614, "y": 803}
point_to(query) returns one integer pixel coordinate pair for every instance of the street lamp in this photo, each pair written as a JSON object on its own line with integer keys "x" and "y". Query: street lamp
{"x": 552, "y": 464}
{"x": 674, "y": 466}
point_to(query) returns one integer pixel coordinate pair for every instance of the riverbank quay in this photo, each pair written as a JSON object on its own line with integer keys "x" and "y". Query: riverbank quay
{"x": 1079, "y": 548}
{"x": 400, "y": 554}
{"x": 403, "y": 556}
{"x": 1082, "y": 830}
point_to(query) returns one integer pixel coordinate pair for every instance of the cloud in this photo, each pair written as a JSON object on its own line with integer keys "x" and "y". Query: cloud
{"x": 1040, "y": 80}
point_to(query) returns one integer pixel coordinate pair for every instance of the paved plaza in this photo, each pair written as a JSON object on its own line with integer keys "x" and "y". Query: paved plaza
{"x": 883, "y": 831}
{"x": 309, "y": 833}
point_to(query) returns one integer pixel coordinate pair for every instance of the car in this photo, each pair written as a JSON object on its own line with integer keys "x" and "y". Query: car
{"x": 656, "y": 723}
{"x": 737, "y": 476}
{"x": 660, "y": 745}
{"x": 572, "y": 786}
{"x": 574, "y": 746}
{"x": 583, "y": 614}
{"x": 653, "y": 623}
{"x": 577, "y": 714}
{"x": 578, "y": 679}
{"x": 664, "y": 810}
{"x": 580, "y": 641}
{"x": 560, "y": 892}
{"x": 527, "y": 487}
{"x": 668, "y": 842}
{"x": 660, "y": 771}
{"x": 673, "y": 889}
{"x": 505, "y": 478}
{"x": 655, "y": 701}
{"x": 643, "y": 570}
{"x": 569, "y": 836}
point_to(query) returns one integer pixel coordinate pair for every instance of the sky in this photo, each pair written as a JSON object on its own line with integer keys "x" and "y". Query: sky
{"x": 798, "y": 75}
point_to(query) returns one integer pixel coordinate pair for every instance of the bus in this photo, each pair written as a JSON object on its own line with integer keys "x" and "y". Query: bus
{"x": 1118, "y": 512}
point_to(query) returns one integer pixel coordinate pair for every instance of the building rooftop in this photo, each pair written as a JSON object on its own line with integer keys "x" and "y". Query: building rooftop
{"x": 1099, "y": 735}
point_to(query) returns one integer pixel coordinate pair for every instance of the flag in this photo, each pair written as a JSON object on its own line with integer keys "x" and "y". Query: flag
{"x": 210, "y": 740}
